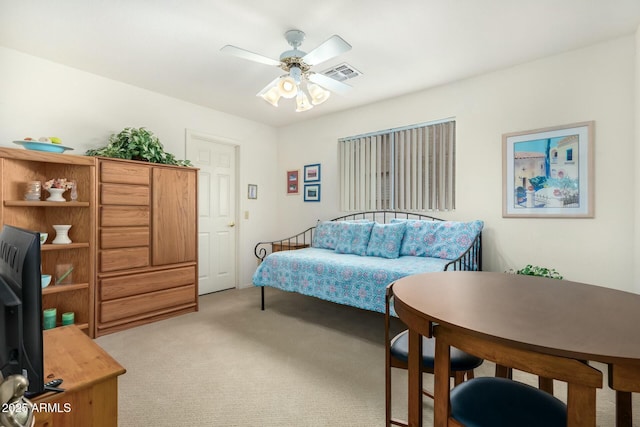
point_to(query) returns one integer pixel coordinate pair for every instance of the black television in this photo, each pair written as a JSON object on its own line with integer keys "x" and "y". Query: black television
{"x": 21, "y": 347}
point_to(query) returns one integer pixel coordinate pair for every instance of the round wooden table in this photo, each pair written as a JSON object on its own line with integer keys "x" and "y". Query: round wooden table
{"x": 547, "y": 316}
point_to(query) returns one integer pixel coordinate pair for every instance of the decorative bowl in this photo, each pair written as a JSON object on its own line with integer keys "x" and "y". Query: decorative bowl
{"x": 43, "y": 238}
{"x": 43, "y": 146}
{"x": 46, "y": 279}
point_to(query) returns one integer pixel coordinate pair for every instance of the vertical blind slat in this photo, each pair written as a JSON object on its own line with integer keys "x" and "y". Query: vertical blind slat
{"x": 402, "y": 171}
{"x": 414, "y": 170}
{"x": 419, "y": 205}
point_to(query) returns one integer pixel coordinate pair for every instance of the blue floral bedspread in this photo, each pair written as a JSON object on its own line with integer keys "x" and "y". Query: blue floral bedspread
{"x": 359, "y": 281}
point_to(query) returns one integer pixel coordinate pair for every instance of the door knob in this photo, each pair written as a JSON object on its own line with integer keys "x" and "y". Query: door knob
{"x": 232, "y": 224}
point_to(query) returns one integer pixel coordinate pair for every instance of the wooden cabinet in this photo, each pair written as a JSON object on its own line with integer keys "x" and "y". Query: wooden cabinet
{"x": 174, "y": 216}
{"x": 147, "y": 251}
{"x": 90, "y": 378}
{"x": 17, "y": 168}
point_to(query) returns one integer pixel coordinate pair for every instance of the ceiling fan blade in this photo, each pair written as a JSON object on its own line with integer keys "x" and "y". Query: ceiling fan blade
{"x": 330, "y": 48}
{"x": 245, "y": 54}
{"x": 330, "y": 84}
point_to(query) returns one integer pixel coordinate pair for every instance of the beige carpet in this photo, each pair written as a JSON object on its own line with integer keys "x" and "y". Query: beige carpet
{"x": 302, "y": 362}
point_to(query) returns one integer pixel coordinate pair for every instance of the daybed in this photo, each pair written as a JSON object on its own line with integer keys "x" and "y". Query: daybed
{"x": 351, "y": 259}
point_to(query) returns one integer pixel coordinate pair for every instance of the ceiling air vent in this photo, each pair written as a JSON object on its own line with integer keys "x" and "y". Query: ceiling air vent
{"x": 342, "y": 72}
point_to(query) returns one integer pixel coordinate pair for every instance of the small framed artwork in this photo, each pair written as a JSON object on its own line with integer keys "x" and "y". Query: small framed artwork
{"x": 252, "y": 192}
{"x": 293, "y": 179}
{"x": 548, "y": 173}
{"x": 312, "y": 173}
{"x": 312, "y": 192}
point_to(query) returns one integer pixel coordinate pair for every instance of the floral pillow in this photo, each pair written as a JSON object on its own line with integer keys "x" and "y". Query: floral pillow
{"x": 385, "y": 240}
{"x": 438, "y": 239}
{"x": 452, "y": 238}
{"x": 326, "y": 235}
{"x": 417, "y": 236}
{"x": 353, "y": 237}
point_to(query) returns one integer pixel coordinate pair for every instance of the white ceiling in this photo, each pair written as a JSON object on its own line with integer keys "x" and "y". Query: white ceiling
{"x": 173, "y": 46}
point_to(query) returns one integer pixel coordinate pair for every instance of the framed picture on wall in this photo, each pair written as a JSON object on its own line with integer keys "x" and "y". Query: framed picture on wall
{"x": 312, "y": 173}
{"x": 252, "y": 191}
{"x": 549, "y": 172}
{"x": 312, "y": 192}
{"x": 293, "y": 180}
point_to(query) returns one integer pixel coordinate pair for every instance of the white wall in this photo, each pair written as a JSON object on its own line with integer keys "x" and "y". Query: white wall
{"x": 42, "y": 98}
{"x": 595, "y": 83}
{"x": 39, "y": 98}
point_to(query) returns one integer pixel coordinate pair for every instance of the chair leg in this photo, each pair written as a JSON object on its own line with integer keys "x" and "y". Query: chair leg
{"x": 624, "y": 412}
{"x": 545, "y": 384}
{"x": 470, "y": 375}
{"x": 387, "y": 395}
{"x": 387, "y": 356}
{"x": 504, "y": 372}
{"x": 458, "y": 378}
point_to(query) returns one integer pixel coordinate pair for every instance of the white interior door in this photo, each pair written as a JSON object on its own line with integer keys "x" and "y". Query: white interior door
{"x": 217, "y": 211}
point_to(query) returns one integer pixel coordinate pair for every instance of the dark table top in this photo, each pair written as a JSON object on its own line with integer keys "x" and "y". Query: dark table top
{"x": 549, "y": 316}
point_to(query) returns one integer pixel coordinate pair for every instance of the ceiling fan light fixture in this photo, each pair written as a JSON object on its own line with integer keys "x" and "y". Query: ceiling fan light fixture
{"x": 287, "y": 87}
{"x": 302, "y": 102}
{"x": 299, "y": 82}
{"x": 272, "y": 96}
{"x": 318, "y": 94}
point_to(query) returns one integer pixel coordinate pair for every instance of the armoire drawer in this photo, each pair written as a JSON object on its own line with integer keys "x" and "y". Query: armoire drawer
{"x": 146, "y": 303}
{"x": 124, "y": 237}
{"x": 123, "y": 259}
{"x": 123, "y": 216}
{"x": 119, "y": 194}
{"x": 125, "y": 173}
{"x": 143, "y": 283}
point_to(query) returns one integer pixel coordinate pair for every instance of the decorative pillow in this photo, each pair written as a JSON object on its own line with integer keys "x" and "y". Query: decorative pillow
{"x": 353, "y": 237}
{"x": 418, "y": 235}
{"x": 326, "y": 235}
{"x": 438, "y": 239}
{"x": 386, "y": 239}
{"x": 452, "y": 238}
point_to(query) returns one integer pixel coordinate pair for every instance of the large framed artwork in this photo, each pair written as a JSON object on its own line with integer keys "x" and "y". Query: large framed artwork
{"x": 548, "y": 173}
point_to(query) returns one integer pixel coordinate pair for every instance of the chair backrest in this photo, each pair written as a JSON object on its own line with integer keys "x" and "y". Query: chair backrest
{"x": 559, "y": 368}
{"x": 582, "y": 380}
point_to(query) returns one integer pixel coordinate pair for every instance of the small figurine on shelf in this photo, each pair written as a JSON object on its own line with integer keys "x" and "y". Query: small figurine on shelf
{"x": 74, "y": 191}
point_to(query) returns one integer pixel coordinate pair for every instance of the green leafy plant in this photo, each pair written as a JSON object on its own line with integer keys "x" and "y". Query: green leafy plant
{"x": 137, "y": 144}
{"x": 534, "y": 270}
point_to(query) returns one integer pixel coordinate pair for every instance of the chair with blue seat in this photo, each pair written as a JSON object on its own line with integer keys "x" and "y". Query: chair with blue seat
{"x": 495, "y": 401}
{"x": 397, "y": 356}
{"x": 502, "y": 402}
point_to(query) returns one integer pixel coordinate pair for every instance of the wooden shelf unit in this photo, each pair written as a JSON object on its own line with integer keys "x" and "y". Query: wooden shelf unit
{"x": 134, "y": 235}
{"x": 17, "y": 168}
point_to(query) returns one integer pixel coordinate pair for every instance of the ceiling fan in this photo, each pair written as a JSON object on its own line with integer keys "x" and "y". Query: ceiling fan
{"x": 298, "y": 65}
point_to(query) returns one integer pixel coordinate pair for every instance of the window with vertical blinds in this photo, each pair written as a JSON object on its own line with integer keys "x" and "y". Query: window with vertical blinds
{"x": 410, "y": 168}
